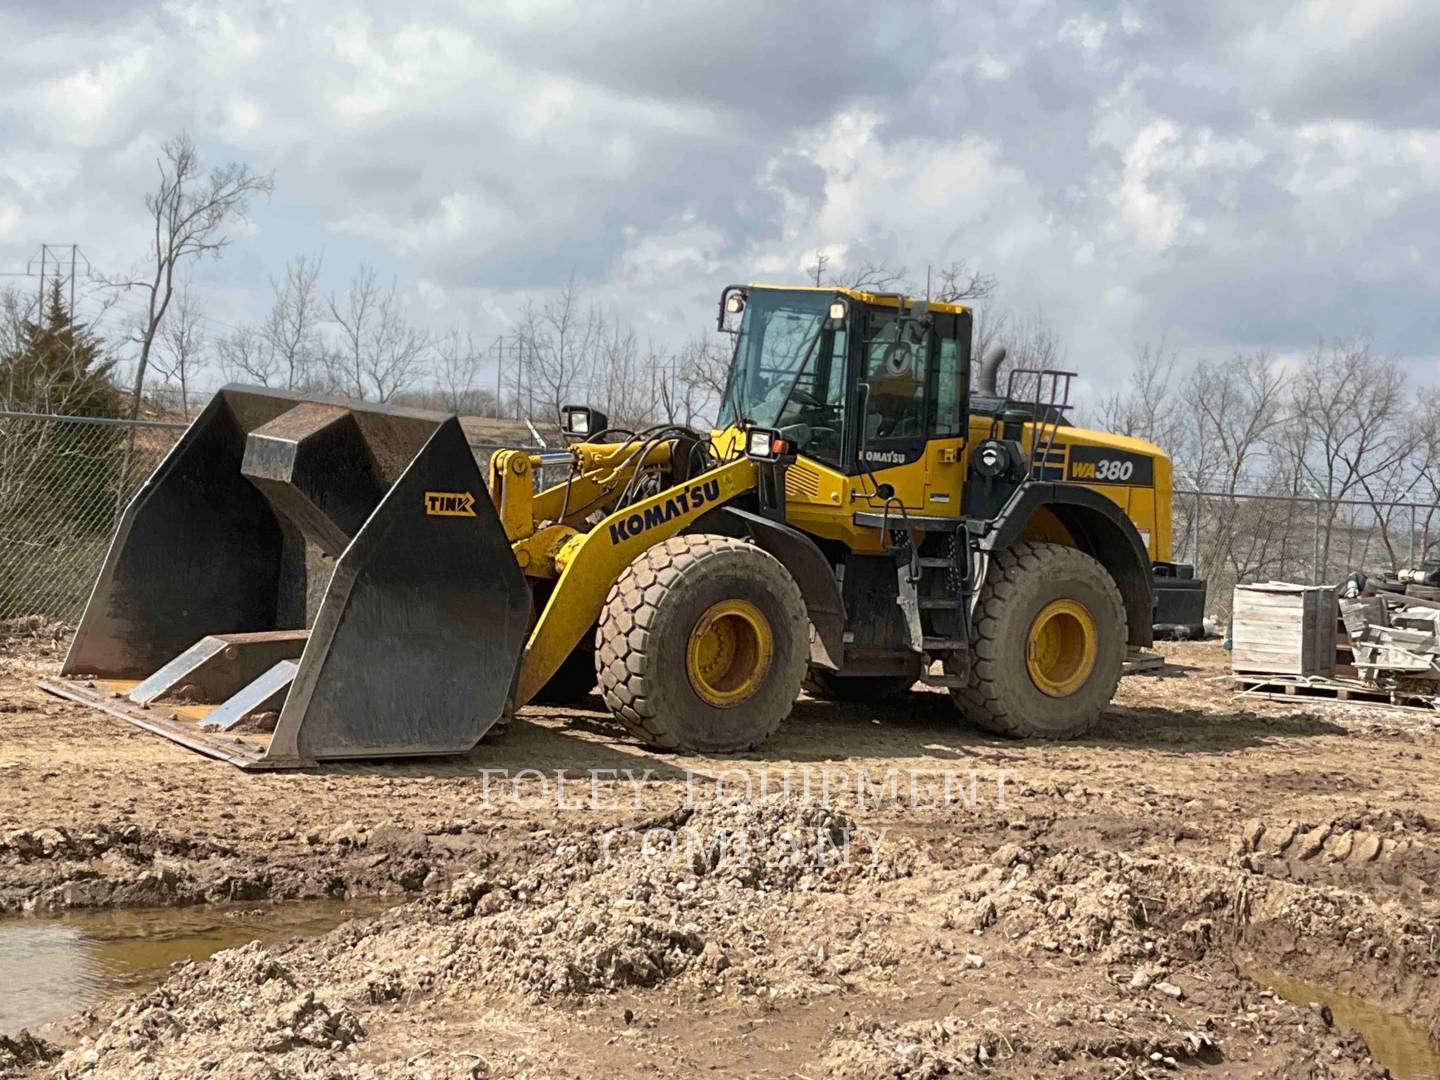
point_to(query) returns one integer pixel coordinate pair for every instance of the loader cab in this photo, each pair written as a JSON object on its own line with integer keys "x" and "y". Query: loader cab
{"x": 857, "y": 381}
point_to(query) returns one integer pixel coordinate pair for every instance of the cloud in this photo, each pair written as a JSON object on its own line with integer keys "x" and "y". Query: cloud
{"x": 1226, "y": 175}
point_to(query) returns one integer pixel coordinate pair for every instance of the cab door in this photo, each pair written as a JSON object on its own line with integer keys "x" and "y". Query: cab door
{"x": 910, "y": 405}
{"x": 947, "y": 414}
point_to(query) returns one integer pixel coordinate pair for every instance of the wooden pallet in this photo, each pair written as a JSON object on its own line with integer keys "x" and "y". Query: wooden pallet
{"x": 1332, "y": 691}
{"x": 1139, "y": 661}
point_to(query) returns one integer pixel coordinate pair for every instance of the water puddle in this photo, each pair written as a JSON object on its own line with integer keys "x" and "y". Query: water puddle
{"x": 54, "y": 966}
{"x": 1396, "y": 1042}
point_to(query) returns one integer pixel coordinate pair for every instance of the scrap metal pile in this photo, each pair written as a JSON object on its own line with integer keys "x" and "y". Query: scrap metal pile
{"x": 1395, "y": 639}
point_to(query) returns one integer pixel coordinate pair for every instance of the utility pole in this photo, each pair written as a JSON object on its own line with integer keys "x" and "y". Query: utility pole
{"x": 56, "y": 256}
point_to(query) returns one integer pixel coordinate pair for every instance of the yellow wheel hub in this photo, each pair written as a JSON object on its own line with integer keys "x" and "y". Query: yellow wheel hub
{"x": 1060, "y": 652}
{"x": 729, "y": 653}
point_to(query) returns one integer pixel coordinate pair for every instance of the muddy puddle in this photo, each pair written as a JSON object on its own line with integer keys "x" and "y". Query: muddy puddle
{"x": 54, "y": 966}
{"x": 1398, "y": 1043}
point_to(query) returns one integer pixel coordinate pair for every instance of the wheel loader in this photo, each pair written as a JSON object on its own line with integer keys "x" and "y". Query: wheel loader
{"x": 304, "y": 580}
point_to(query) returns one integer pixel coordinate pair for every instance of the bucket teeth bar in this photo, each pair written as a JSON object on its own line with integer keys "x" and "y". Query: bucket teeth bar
{"x": 336, "y": 562}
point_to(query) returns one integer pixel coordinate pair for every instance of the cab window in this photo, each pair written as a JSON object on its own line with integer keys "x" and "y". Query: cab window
{"x": 893, "y": 370}
{"x": 946, "y": 416}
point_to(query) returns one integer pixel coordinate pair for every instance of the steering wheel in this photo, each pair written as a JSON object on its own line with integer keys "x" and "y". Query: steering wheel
{"x": 804, "y": 397}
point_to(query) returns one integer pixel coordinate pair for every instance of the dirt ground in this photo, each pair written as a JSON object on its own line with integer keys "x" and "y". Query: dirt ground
{"x": 878, "y": 892}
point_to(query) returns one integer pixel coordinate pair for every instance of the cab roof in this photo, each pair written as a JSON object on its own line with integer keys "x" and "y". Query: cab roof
{"x": 864, "y": 297}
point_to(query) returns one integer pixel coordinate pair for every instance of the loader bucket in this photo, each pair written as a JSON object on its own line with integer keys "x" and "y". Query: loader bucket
{"x": 337, "y": 564}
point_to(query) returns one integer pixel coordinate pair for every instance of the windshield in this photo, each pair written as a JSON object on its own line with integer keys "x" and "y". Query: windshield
{"x": 781, "y": 332}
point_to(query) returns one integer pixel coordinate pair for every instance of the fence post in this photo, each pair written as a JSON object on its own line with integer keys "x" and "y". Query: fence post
{"x": 1412, "y": 533}
{"x": 1195, "y": 533}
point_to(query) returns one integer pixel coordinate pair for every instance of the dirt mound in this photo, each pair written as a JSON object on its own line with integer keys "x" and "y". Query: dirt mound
{"x": 1066, "y": 1041}
{"x": 638, "y": 906}
{"x": 23, "y": 1049}
{"x": 690, "y": 895}
{"x": 102, "y": 865}
{"x": 1150, "y": 918}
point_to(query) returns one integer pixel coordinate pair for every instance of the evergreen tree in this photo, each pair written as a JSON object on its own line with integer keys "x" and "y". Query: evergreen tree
{"x": 60, "y": 479}
{"x": 59, "y": 366}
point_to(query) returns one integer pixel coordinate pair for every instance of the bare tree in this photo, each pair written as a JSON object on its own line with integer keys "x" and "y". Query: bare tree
{"x": 379, "y": 351}
{"x": 871, "y": 277}
{"x": 457, "y": 371}
{"x": 1147, "y": 407}
{"x": 1425, "y": 432}
{"x": 245, "y": 356}
{"x": 292, "y": 329}
{"x": 960, "y": 281}
{"x": 957, "y": 281}
{"x": 627, "y": 383}
{"x": 189, "y": 211}
{"x": 179, "y": 352}
{"x": 1030, "y": 342}
{"x": 559, "y": 340}
{"x": 1225, "y": 432}
{"x": 1347, "y": 426}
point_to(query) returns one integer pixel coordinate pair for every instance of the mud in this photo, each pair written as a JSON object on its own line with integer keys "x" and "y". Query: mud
{"x": 962, "y": 904}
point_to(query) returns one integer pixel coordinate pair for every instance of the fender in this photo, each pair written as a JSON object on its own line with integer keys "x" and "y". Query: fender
{"x": 812, "y": 572}
{"x": 1101, "y": 529}
{"x": 594, "y": 560}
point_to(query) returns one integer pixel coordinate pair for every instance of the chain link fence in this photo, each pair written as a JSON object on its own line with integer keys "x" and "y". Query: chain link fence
{"x": 63, "y": 482}
{"x": 1242, "y": 537}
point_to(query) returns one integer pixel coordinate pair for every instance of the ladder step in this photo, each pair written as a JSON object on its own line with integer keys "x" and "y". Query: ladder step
{"x": 943, "y": 644}
{"x": 942, "y": 680}
{"x": 940, "y": 604}
{"x": 936, "y": 561}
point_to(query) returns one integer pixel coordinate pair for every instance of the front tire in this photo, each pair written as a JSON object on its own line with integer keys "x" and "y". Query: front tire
{"x": 1050, "y": 632}
{"x": 702, "y": 645}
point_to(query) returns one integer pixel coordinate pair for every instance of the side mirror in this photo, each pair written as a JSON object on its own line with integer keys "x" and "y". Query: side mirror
{"x": 732, "y": 305}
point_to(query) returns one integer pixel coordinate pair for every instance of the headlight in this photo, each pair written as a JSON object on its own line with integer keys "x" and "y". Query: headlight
{"x": 578, "y": 424}
{"x": 838, "y": 310}
{"x": 734, "y": 303}
{"x": 767, "y": 444}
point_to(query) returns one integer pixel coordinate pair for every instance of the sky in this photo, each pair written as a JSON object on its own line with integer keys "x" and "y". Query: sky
{"x": 1225, "y": 176}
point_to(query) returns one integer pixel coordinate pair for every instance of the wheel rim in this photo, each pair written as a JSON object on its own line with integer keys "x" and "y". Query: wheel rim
{"x": 1060, "y": 652}
{"x": 729, "y": 653}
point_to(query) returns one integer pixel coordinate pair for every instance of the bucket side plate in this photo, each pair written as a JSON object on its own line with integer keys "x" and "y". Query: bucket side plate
{"x": 417, "y": 642}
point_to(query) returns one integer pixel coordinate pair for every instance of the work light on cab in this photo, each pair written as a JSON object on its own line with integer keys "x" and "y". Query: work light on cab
{"x": 581, "y": 421}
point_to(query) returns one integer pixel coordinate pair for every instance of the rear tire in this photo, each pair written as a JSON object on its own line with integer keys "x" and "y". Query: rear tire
{"x": 861, "y": 689}
{"x": 1033, "y": 589}
{"x": 702, "y": 645}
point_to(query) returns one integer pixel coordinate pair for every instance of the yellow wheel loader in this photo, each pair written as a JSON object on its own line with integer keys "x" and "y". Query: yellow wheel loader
{"x": 304, "y": 580}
